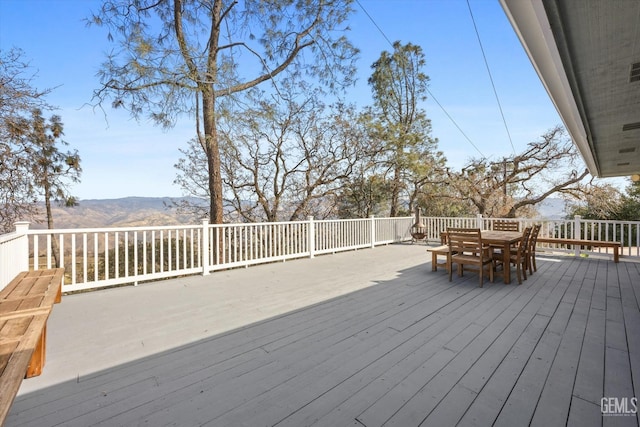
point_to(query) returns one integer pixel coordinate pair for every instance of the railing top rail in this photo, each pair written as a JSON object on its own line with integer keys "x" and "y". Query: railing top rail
{"x": 348, "y": 220}
{"x": 253, "y": 224}
{"x": 9, "y": 237}
{"x": 111, "y": 229}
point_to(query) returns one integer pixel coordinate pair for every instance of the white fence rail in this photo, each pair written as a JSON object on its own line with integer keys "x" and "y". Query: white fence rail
{"x": 13, "y": 248}
{"x": 101, "y": 257}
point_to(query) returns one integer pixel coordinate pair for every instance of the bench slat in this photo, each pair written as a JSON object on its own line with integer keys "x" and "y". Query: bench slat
{"x": 25, "y": 305}
{"x": 24, "y": 313}
{"x": 580, "y": 242}
{"x": 14, "y": 371}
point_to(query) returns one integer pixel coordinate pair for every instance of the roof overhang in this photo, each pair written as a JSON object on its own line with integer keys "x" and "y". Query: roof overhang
{"x": 584, "y": 52}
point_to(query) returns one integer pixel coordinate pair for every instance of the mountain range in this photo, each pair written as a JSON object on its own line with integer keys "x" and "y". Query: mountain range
{"x": 124, "y": 212}
{"x": 154, "y": 211}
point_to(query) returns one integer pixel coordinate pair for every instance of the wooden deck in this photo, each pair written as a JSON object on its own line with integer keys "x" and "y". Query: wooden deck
{"x": 366, "y": 338}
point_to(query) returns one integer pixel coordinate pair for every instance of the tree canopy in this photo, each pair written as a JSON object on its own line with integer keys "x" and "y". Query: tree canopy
{"x": 177, "y": 57}
{"x": 407, "y": 154}
{"x": 32, "y": 165}
{"x": 508, "y": 187}
{"x": 604, "y": 201}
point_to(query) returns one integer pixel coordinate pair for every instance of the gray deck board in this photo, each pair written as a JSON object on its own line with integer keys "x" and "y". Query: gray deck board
{"x": 365, "y": 338}
{"x": 555, "y": 399}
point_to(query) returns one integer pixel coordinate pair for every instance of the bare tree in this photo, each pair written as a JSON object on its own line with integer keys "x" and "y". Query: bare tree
{"x": 193, "y": 178}
{"x": 596, "y": 201}
{"x": 285, "y": 158}
{"x": 182, "y": 56}
{"x": 507, "y": 187}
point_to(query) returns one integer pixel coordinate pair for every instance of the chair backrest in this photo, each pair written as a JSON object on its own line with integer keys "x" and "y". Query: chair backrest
{"x": 465, "y": 241}
{"x": 506, "y": 225}
{"x": 444, "y": 240}
{"x": 534, "y": 236}
{"x": 524, "y": 243}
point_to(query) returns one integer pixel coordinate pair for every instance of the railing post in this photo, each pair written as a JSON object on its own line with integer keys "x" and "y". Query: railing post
{"x": 479, "y": 221}
{"x": 23, "y": 255}
{"x": 312, "y": 237}
{"x": 577, "y": 222}
{"x": 14, "y": 253}
{"x": 205, "y": 247}
{"x": 373, "y": 230}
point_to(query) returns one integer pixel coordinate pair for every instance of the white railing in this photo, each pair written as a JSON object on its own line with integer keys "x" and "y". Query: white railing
{"x": 97, "y": 257}
{"x": 13, "y": 246}
{"x": 100, "y": 257}
{"x": 241, "y": 245}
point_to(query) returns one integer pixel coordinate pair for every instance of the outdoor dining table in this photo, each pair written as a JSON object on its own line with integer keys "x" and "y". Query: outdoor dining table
{"x": 505, "y": 240}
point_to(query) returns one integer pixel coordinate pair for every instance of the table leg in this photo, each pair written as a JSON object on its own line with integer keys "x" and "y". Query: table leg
{"x": 506, "y": 262}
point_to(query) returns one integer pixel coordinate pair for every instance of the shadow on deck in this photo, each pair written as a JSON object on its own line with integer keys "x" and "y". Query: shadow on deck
{"x": 406, "y": 347}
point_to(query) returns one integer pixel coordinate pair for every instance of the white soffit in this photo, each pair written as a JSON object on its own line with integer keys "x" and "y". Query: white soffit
{"x": 530, "y": 22}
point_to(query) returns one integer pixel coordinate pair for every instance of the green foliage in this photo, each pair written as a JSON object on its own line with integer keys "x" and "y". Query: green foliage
{"x": 606, "y": 202}
{"x": 18, "y": 99}
{"x": 364, "y": 196}
{"x": 630, "y": 206}
{"x": 50, "y": 169}
{"x": 406, "y": 153}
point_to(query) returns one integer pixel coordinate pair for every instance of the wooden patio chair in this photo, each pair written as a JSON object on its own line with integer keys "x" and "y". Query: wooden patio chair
{"x": 531, "y": 252}
{"x": 519, "y": 256}
{"x": 506, "y": 225}
{"x": 466, "y": 248}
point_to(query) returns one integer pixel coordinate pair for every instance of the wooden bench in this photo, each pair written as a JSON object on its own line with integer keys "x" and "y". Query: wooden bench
{"x": 25, "y": 304}
{"x": 579, "y": 242}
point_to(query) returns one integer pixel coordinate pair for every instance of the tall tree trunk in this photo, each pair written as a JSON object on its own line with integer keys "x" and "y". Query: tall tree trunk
{"x": 47, "y": 203}
{"x": 213, "y": 156}
{"x": 210, "y": 120}
{"x": 395, "y": 194}
{"x": 395, "y": 185}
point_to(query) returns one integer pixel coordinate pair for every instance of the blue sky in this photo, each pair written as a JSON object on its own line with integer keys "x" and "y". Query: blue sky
{"x": 121, "y": 157}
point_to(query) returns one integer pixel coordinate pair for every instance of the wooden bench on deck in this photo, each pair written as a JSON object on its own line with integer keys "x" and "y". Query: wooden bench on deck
{"x": 579, "y": 242}
{"x": 25, "y": 304}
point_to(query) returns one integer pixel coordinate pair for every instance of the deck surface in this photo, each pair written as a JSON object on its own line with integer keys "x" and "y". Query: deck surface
{"x": 365, "y": 338}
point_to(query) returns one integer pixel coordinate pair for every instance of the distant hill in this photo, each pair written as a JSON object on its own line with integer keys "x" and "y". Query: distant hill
{"x": 552, "y": 208}
{"x": 125, "y": 212}
{"x": 153, "y": 211}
